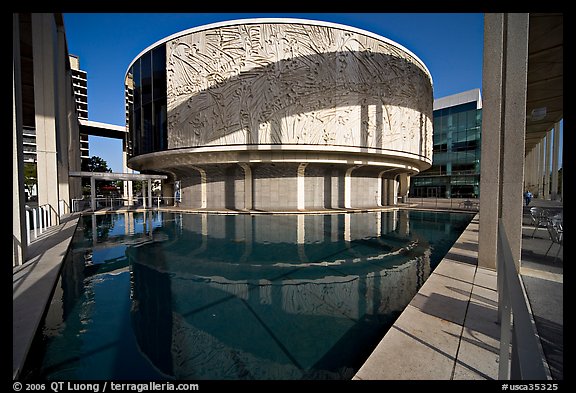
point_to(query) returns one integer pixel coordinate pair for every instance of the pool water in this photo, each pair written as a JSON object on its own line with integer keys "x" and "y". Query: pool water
{"x": 162, "y": 295}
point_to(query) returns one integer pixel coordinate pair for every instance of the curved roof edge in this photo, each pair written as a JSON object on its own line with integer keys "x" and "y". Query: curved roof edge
{"x": 279, "y": 20}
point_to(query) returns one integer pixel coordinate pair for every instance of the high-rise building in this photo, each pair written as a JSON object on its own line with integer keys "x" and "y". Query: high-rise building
{"x": 80, "y": 83}
{"x": 455, "y": 170}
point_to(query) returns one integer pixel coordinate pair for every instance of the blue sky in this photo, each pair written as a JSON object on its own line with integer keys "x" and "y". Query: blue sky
{"x": 449, "y": 44}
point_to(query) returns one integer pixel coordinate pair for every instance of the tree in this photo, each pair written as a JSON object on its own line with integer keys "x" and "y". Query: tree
{"x": 30, "y": 177}
{"x": 97, "y": 164}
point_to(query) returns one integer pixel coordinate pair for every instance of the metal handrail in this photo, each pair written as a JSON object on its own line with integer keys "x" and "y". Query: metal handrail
{"x": 470, "y": 204}
{"x": 112, "y": 201}
{"x": 41, "y": 220}
{"x": 516, "y": 324}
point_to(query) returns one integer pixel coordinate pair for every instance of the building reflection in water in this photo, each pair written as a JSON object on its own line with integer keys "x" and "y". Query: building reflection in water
{"x": 253, "y": 296}
{"x": 273, "y": 297}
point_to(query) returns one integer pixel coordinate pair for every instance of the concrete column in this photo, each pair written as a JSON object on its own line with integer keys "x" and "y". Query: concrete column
{"x": 503, "y": 133}
{"x": 547, "y": 166}
{"x": 44, "y": 48}
{"x": 392, "y": 191}
{"x": 248, "y": 201}
{"x": 143, "y": 188}
{"x": 300, "y": 186}
{"x": 19, "y": 232}
{"x": 61, "y": 122}
{"x": 93, "y": 193}
{"x": 555, "y": 159}
{"x": 385, "y": 184}
{"x": 203, "y": 188}
{"x": 534, "y": 170}
{"x": 404, "y": 186}
{"x": 541, "y": 169}
{"x": 126, "y": 185}
{"x": 150, "y": 193}
{"x": 348, "y": 186}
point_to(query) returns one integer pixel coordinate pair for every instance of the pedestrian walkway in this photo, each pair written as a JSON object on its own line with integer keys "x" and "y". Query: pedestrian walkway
{"x": 32, "y": 285}
{"x": 542, "y": 276}
{"x": 449, "y": 329}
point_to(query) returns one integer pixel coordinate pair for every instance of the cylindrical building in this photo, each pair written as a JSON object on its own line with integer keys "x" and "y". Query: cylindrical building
{"x": 280, "y": 114}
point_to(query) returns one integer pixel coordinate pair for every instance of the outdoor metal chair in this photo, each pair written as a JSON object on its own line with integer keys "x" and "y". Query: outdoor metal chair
{"x": 539, "y": 218}
{"x": 556, "y": 230}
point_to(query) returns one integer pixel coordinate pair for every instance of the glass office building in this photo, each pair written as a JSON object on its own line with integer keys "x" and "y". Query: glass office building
{"x": 455, "y": 171}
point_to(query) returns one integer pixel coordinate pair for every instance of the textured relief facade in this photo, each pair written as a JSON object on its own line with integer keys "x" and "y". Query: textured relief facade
{"x": 281, "y": 115}
{"x": 296, "y": 84}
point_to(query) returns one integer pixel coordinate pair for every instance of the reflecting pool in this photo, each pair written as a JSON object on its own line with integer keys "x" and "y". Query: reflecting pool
{"x": 162, "y": 295}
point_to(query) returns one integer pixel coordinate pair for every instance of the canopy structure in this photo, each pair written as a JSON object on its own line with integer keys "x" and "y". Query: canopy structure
{"x": 117, "y": 176}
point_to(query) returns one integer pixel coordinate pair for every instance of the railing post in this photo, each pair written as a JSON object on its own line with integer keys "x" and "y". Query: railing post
{"x": 35, "y": 222}
{"x": 42, "y": 217}
{"x": 27, "y": 227}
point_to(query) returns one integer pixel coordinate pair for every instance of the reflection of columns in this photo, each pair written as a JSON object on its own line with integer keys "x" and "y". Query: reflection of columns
{"x": 301, "y": 237}
{"x": 555, "y": 156}
{"x": 335, "y": 227}
{"x": 204, "y": 226}
{"x": 503, "y": 133}
{"x": 149, "y": 218}
{"x": 300, "y": 186}
{"x": 94, "y": 231}
{"x": 546, "y": 184}
{"x": 247, "y": 238}
{"x": 247, "y": 186}
{"x": 347, "y": 236}
{"x": 128, "y": 223}
{"x": 403, "y": 223}
{"x": 300, "y": 229}
{"x": 19, "y": 235}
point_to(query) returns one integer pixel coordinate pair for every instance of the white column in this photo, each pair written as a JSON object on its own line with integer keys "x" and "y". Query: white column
{"x": 43, "y": 51}
{"x": 348, "y": 186}
{"x": 248, "y": 201}
{"x": 203, "y": 188}
{"x": 150, "y": 193}
{"x": 392, "y": 191}
{"x": 300, "y": 186}
{"x": 93, "y": 193}
{"x": 127, "y": 184}
{"x": 503, "y": 133}
{"x": 404, "y": 185}
{"x": 540, "y": 161}
{"x": 547, "y": 166}
{"x": 19, "y": 232}
{"x": 555, "y": 159}
{"x": 62, "y": 138}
